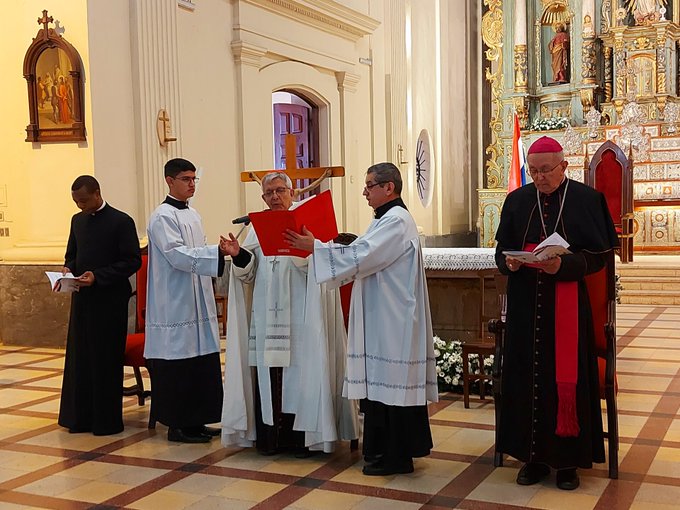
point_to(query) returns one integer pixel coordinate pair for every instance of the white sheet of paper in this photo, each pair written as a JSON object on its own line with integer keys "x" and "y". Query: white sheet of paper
{"x": 552, "y": 246}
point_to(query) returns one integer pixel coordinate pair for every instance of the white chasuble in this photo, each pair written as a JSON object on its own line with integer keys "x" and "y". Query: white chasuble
{"x": 181, "y": 318}
{"x": 281, "y": 292}
{"x": 390, "y": 351}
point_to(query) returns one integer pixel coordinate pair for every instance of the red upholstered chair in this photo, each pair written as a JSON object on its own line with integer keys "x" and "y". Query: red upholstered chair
{"x": 612, "y": 173}
{"x": 134, "y": 345}
{"x": 602, "y": 295}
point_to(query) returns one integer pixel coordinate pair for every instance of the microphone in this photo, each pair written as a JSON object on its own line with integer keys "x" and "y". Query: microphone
{"x": 243, "y": 219}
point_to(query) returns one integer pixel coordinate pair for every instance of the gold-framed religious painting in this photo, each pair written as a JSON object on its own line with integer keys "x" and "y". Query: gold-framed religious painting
{"x": 53, "y": 71}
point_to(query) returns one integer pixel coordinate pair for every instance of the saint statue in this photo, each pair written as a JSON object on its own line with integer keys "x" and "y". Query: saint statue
{"x": 646, "y": 11}
{"x": 559, "y": 52}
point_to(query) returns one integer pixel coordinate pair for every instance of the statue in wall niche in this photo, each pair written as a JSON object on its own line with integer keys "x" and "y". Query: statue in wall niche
{"x": 559, "y": 52}
{"x": 646, "y": 12}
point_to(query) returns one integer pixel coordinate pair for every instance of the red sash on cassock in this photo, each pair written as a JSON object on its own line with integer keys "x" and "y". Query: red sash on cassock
{"x": 566, "y": 354}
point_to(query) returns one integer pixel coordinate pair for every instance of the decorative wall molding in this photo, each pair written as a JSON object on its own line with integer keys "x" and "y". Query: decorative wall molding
{"x": 326, "y": 15}
{"x": 347, "y": 81}
{"x": 247, "y": 53}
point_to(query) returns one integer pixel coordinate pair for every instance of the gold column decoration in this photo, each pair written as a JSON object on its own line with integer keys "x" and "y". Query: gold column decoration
{"x": 608, "y": 76}
{"x": 589, "y": 64}
{"x": 606, "y": 16}
{"x": 661, "y": 61}
{"x": 492, "y": 35}
{"x": 621, "y": 72}
{"x": 522, "y": 109}
{"x": 521, "y": 71}
{"x": 587, "y": 98}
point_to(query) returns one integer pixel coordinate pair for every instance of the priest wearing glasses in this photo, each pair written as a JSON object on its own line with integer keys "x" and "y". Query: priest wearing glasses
{"x": 294, "y": 336}
{"x": 550, "y": 414}
{"x": 390, "y": 355}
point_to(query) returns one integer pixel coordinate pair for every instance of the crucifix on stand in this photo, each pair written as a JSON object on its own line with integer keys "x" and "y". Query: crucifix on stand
{"x": 292, "y": 171}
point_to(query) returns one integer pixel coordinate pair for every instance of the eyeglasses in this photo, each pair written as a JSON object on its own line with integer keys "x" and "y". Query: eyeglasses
{"x": 186, "y": 179}
{"x": 533, "y": 173}
{"x": 278, "y": 191}
{"x": 369, "y": 187}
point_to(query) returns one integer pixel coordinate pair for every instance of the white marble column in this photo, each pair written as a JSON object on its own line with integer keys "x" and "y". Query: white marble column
{"x": 588, "y": 10}
{"x": 520, "y": 47}
{"x": 588, "y": 56}
{"x": 156, "y": 86}
{"x": 520, "y": 18}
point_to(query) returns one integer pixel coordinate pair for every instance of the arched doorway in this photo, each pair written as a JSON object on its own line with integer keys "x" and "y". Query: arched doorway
{"x": 295, "y": 114}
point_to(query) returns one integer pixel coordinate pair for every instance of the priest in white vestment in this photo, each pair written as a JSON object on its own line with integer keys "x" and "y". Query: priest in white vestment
{"x": 294, "y": 337}
{"x": 181, "y": 334}
{"x": 390, "y": 352}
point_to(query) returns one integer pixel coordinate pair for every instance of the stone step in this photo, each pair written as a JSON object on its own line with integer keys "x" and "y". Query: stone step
{"x": 625, "y": 270}
{"x": 650, "y": 297}
{"x": 650, "y": 283}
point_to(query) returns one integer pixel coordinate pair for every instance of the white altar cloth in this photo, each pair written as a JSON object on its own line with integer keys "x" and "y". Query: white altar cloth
{"x": 459, "y": 259}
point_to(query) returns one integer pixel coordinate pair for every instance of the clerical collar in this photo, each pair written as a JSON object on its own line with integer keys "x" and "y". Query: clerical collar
{"x": 170, "y": 200}
{"x": 562, "y": 194}
{"x": 380, "y": 211}
{"x": 559, "y": 189}
{"x": 100, "y": 208}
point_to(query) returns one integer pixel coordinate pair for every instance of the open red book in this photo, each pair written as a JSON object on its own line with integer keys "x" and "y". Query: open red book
{"x": 316, "y": 214}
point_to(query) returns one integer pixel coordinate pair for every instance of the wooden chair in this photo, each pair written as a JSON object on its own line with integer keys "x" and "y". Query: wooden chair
{"x": 602, "y": 295}
{"x": 483, "y": 348}
{"x": 134, "y": 344}
{"x": 497, "y": 327}
{"x": 221, "y": 304}
{"x": 612, "y": 173}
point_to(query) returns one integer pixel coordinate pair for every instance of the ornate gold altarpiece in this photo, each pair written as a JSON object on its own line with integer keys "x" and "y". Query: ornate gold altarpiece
{"x": 621, "y": 59}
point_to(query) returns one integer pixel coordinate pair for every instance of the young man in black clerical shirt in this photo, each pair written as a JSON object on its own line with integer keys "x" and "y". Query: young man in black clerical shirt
{"x": 103, "y": 252}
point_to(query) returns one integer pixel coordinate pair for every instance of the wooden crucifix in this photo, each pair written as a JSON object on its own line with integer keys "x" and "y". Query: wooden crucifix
{"x": 292, "y": 171}
{"x": 45, "y": 21}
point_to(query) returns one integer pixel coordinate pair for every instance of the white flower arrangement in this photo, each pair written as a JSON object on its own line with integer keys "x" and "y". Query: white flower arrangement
{"x": 549, "y": 123}
{"x": 450, "y": 364}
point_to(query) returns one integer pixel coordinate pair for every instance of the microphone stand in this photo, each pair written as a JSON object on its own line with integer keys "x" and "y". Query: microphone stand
{"x": 245, "y": 224}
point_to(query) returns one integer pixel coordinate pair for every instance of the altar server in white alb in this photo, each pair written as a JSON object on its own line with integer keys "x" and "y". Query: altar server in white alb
{"x": 182, "y": 339}
{"x": 390, "y": 353}
{"x": 295, "y": 337}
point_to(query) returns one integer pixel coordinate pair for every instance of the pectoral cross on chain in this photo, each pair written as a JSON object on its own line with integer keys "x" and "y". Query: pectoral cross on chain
{"x": 276, "y": 310}
{"x": 274, "y": 262}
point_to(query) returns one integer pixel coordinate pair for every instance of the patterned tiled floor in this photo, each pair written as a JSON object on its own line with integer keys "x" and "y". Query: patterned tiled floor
{"x": 42, "y": 466}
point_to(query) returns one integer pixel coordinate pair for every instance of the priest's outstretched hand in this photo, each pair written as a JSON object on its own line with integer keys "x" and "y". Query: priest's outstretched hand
{"x": 304, "y": 241}
{"x": 229, "y": 246}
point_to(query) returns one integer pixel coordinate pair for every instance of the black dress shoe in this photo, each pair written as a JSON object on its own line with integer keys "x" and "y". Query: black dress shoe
{"x": 181, "y": 436}
{"x": 305, "y": 453}
{"x": 372, "y": 459}
{"x": 567, "y": 479}
{"x": 532, "y": 473}
{"x": 211, "y": 431}
{"x": 382, "y": 468}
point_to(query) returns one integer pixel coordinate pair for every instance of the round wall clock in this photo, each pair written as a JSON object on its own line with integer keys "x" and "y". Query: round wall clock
{"x": 424, "y": 167}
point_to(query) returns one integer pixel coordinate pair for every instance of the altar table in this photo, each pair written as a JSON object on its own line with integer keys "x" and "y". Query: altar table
{"x": 461, "y": 289}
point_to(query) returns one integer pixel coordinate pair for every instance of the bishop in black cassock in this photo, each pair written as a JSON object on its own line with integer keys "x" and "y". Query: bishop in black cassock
{"x": 529, "y": 410}
{"x": 103, "y": 250}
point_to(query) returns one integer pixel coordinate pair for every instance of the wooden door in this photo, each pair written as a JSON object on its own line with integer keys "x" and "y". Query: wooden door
{"x": 292, "y": 119}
